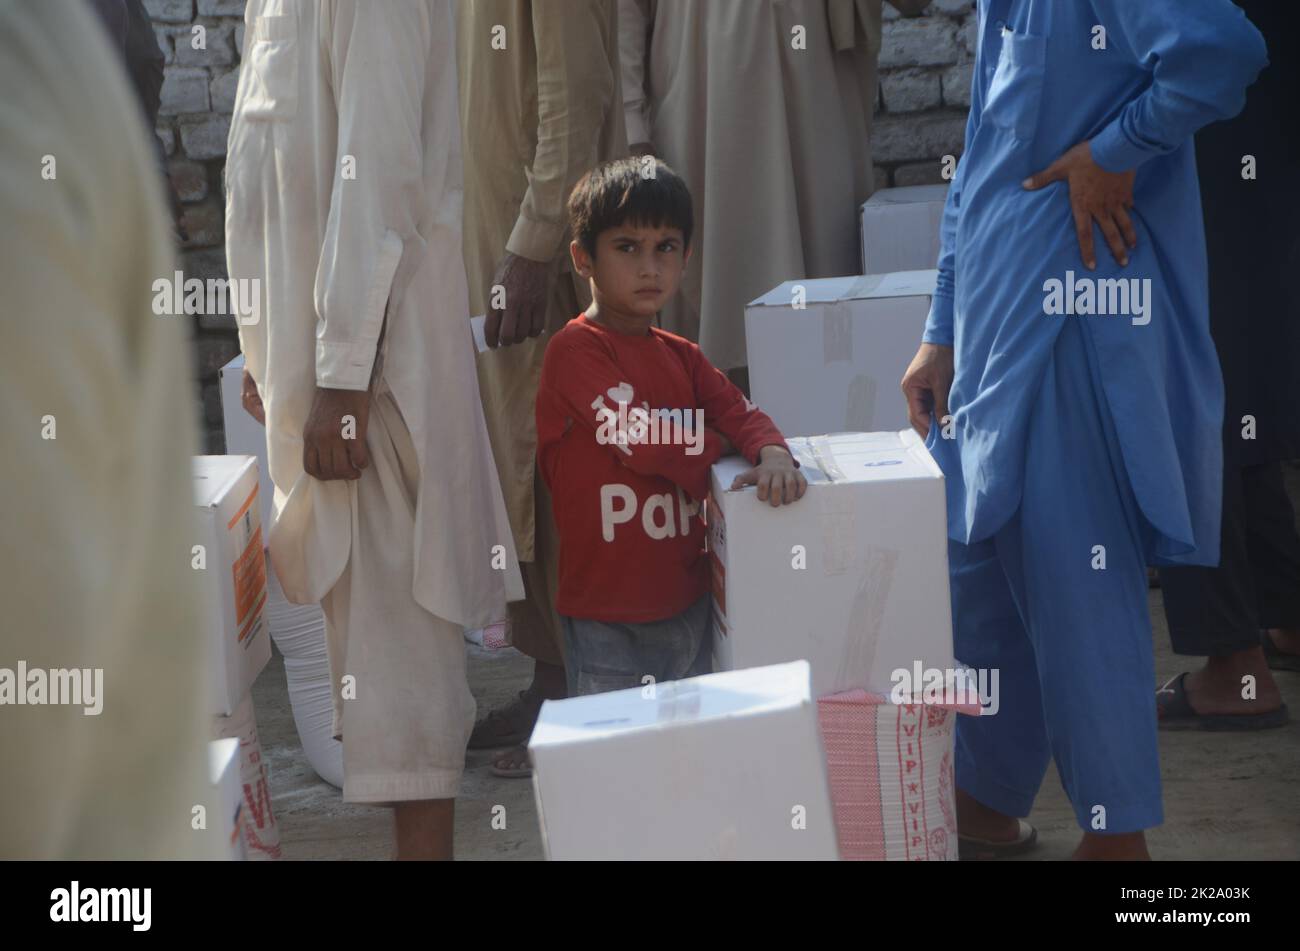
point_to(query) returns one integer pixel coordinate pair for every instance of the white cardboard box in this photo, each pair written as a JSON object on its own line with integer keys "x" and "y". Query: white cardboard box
{"x": 853, "y": 577}
{"x": 223, "y": 766}
{"x": 900, "y": 228}
{"x": 725, "y": 766}
{"x": 226, "y": 492}
{"x": 835, "y": 364}
{"x": 245, "y": 436}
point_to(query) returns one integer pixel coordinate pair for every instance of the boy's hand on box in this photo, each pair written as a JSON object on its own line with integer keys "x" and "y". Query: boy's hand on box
{"x": 779, "y": 481}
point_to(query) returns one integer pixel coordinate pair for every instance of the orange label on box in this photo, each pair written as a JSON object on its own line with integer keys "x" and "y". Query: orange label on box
{"x": 250, "y": 577}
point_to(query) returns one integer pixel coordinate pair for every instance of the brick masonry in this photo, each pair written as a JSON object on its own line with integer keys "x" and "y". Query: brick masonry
{"x": 925, "y": 74}
{"x": 197, "y": 97}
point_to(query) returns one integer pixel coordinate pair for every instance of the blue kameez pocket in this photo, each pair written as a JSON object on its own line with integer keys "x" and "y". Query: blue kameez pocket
{"x": 1015, "y": 93}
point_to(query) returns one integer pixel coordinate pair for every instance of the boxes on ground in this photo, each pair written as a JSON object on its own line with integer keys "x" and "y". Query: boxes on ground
{"x": 725, "y": 766}
{"x": 900, "y": 228}
{"x": 853, "y": 578}
{"x": 234, "y": 570}
{"x": 827, "y": 356}
{"x": 223, "y": 767}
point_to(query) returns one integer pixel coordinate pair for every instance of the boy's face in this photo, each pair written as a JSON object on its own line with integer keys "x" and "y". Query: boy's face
{"x": 636, "y": 269}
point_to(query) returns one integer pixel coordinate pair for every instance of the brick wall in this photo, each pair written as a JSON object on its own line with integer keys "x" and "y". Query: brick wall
{"x": 925, "y": 74}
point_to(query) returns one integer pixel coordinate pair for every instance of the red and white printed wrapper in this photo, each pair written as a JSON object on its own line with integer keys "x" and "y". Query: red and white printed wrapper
{"x": 261, "y": 834}
{"x": 890, "y": 768}
{"x": 497, "y": 636}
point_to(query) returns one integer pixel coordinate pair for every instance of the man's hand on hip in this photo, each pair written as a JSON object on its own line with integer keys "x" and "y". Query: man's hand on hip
{"x": 334, "y": 439}
{"x": 524, "y": 312}
{"x": 926, "y": 384}
{"x": 1095, "y": 194}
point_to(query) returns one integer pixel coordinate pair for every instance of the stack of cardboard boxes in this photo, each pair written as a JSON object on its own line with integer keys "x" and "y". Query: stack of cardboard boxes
{"x": 232, "y": 562}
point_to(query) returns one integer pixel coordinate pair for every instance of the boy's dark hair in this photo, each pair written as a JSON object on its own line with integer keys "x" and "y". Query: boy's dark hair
{"x": 640, "y": 190}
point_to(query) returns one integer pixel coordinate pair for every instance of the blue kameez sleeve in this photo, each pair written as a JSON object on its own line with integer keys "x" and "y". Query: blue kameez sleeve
{"x": 938, "y": 325}
{"x": 1202, "y": 55}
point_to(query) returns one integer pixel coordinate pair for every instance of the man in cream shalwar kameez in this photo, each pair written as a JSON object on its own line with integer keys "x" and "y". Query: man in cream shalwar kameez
{"x": 344, "y": 200}
{"x": 771, "y": 131}
{"x": 540, "y": 106}
{"x": 96, "y": 433}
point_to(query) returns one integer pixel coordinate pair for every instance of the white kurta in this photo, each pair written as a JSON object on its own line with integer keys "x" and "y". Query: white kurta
{"x": 344, "y": 200}
{"x": 771, "y": 135}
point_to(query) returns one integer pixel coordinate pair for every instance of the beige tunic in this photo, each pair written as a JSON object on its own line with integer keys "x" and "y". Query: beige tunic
{"x": 536, "y": 116}
{"x": 344, "y": 200}
{"x": 96, "y": 433}
{"x": 773, "y": 141}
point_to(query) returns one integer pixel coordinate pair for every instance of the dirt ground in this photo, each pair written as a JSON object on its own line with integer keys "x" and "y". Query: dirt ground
{"x": 1227, "y": 796}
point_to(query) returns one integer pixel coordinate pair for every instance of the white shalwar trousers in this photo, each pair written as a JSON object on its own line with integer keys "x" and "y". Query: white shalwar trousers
{"x": 402, "y": 704}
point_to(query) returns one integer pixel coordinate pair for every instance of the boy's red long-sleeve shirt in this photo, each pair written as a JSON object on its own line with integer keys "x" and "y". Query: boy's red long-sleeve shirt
{"x": 631, "y": 540}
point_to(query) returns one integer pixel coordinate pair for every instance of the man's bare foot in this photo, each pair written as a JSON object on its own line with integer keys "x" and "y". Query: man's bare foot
{"x": 1127, "y": 847}
{"x": 976, "y": 820}
{"x": 1217, "y": 688}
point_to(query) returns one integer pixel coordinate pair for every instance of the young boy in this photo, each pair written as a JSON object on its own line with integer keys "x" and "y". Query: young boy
{"x": 629, "y": 421}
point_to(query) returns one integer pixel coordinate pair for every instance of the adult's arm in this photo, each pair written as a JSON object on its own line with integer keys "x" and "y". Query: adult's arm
{"x": 577, "y": 86}
{"x": 376, "y": 66}
{"x": 938, "y": 325}
{"x": 635, "y": 32}
{"x": 1202, "y": 55}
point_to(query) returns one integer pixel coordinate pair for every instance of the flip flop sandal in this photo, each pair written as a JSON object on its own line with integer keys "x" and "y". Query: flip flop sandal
{"x": 1278, "y": 660}
{"x": 971, "y": 849}
{"x": 1174, "y": 712}
{"x": 509, "y": 726}
{"x": 517, "y": 772}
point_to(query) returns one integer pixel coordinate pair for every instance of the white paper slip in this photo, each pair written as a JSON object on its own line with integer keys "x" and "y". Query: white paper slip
{"x": 476, "y": 327}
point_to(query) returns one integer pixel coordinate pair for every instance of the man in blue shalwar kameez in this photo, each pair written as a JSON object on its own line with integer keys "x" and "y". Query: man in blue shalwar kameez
{"x": 1086, "y": 402}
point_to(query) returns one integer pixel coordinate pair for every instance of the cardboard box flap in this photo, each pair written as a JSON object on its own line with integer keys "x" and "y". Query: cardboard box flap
{"x": 214, "y": 475}
{"x": 828, "y": 290}
{"x": 727, "y": 468}
{"x": 724, "y": 695}
{"x": 236, "y": 366}
{"x": 908, "y": 195}
{"x": 847, "y": 457}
